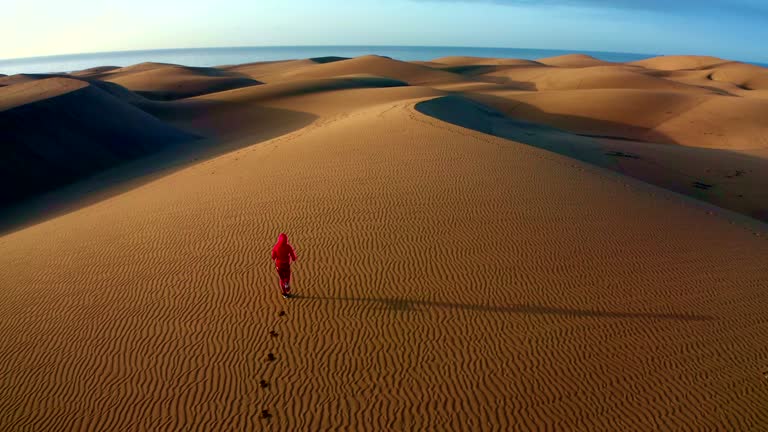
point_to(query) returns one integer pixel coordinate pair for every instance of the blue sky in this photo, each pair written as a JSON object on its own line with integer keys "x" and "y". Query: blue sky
{"x": 726, "y": 28}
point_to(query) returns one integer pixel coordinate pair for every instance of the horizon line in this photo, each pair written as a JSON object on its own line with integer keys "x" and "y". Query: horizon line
{"x": 763, "y": 63}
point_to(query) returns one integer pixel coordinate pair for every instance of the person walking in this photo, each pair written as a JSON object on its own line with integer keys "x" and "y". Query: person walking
{"x": 283, "y": 254}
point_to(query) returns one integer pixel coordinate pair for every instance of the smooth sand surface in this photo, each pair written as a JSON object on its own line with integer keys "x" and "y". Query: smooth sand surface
{"x": 473, "y": 255}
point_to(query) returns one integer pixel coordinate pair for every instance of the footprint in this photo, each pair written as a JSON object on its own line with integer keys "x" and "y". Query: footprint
{"x": 263, "y": 384}
{"x": 265, "y": 414}
{"x": 281, "y": 313}
{"x": 271, "y": 357}
{"x": 273, "y": 333}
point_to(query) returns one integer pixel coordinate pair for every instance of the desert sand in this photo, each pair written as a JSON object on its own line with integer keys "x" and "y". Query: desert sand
{"x": 484, "y": 244}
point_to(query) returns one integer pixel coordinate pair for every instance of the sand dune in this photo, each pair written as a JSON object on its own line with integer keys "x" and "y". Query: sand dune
{"x": 710, "y": 71}
{"x": 660, "y": 117}
{"x": 574, "y": 61}
{"x": 679, "y": 62}
{"x": 468, "y": 258}
{"x": 371, "y": 65}
{"x": 109, "y": 87}
{"x": 251, "y": 111}
{"x": 95, "y": 72}
{"x": 482, "y": 61}
{"x": 728, "y": 179}
{"x": 169, "y": 82}
{"x": 264, "y": 71}
{"x": 176, "y": 82}
{"x": 701, "y": 78}
{"x": 626, "y": 113}
{"x": 747, "y": 77}
{"x": 7, "y": 80}
{"x": 59, "y": 130}
{"x": 582, "y": 78}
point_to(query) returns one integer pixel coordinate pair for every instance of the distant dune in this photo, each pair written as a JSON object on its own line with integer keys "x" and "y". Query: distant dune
{"x": 574, "y": 61}
{"x": 95, "y": 71}
{"x": 679, "y": 62}
{"x": 370, "y": 65}
{"x": 479, "y": 61}
{"x": 169, "y": 82}
{"x": 483, "y": 244}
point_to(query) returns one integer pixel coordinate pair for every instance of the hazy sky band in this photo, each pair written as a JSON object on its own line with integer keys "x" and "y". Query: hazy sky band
{"x": 730, "y": 29}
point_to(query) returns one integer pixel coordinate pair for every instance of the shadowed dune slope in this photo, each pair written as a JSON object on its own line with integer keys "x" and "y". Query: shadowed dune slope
{"x": 446, "y": 279}
{"x": 58, "y": 130}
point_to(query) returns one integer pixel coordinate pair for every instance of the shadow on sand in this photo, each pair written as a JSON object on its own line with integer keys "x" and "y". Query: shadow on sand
{"x": 86, "y": 188}
{"x": 407, "y": 305}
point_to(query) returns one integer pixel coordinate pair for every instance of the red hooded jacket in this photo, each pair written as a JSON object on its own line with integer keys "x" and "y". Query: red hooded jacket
{"x": 282, "y": 252}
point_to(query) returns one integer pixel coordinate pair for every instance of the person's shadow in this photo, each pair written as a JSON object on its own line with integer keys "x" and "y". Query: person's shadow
{"x": 408, "y": 305}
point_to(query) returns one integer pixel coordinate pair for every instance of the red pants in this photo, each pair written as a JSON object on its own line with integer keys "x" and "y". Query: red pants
{"x": 284, "y": 272}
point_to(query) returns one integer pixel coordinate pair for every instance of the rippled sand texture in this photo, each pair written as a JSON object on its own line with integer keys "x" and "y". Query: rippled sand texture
{"x": 447, "y": 278}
